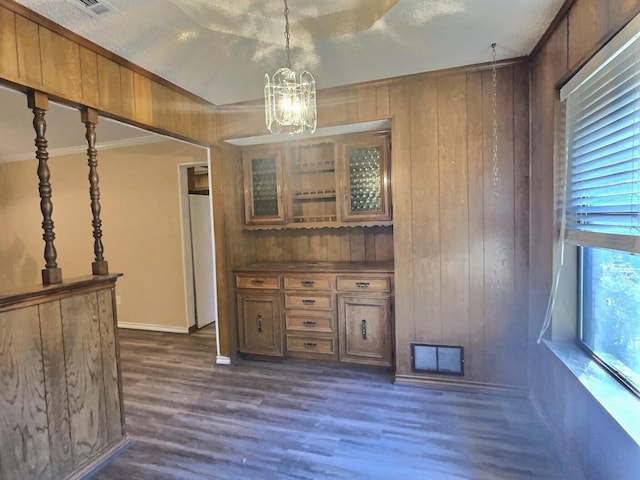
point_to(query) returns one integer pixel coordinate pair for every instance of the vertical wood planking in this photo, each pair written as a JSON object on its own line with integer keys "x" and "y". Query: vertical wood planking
{"x": 454, "y": 209}
{"x": 89, "y": 75}
{"x": 499, "y": 233}
{"x": 382, "y": 101}
{"x": 367, "y": 103}
{"x": 85, "y": 377}
{"x": 8, "y": 47}
{"x": 357, "y": 244}
{"x": 621, "y": 12}
{"x": 521, "y": 208}
{"x": 400, "y": 99}
{"x": 590, "y": 19}
{"x": 474, "y": 354}
{"x": 61, "y": 71}
{"x": 225, "y": 309}
{"x": 53, "y": 361}
{"x": 109, "y": 84}
{"x": 128, "y": 93}
{"x": 106, "y": 308}
{"x": 28, "y": 50}
{"x": 424, "y": 187}
{"x": 143, "y": 99}
{"x": 23, "y": 408}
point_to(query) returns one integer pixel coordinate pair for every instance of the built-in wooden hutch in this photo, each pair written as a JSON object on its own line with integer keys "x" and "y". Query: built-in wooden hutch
{"x": 322, "y": 310}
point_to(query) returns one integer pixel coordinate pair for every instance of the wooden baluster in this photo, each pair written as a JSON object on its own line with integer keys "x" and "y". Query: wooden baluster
{"x": 90, "y": 118}
{"x": 39, "y": 103}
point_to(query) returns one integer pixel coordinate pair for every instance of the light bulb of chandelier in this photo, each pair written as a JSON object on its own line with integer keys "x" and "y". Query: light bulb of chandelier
{"x": 290, "y": 103}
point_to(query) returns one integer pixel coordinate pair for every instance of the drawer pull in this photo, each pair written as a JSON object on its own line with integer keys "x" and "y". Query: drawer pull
{"x": 309, "y": 323}
{"x": 257, "y": 281}
{"x": 307, "y": 283}
{"x": 308, "y": 301}
{"x": 259, "y": 323}
{"x": 362, "y": 284}
{"x": 309, "y": 345}
{"x": 364, "y": 329}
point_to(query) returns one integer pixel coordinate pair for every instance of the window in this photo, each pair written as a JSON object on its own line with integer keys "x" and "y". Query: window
{"x": 610, "y": 311}
{"x": 601, "y": 185}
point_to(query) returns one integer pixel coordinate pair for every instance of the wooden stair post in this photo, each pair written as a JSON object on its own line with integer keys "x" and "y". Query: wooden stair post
{"x": 39, "y": 103}
{"x": 90, "y": 118}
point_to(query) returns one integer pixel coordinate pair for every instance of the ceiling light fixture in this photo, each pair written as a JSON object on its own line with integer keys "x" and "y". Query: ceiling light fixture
{"x": 290, "y": 104}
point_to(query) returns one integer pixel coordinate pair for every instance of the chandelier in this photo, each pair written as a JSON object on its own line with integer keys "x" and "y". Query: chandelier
{"x": 289, "y": 104}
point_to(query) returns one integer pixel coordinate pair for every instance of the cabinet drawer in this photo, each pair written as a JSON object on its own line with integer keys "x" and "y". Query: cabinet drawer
{"x": 311, "y": 344}
{"x": 258, "y": 281}
{"x": 365, "y": 283}
{"x": 310, "y": 322}
{"x": 310, "y": 301}
{"x": 308, "y": 282}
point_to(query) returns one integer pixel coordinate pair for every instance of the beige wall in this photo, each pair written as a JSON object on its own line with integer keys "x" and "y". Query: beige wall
{"x": 141, "y": 225}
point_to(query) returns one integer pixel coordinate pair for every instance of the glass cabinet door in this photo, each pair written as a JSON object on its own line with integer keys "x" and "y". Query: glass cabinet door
{"x": 263, "y": 187}
{"x": 366, "y": 180}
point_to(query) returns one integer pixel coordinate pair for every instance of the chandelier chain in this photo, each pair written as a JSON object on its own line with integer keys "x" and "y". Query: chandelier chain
{"x": 287, "y": 36}
{"x": 494, "y": 83}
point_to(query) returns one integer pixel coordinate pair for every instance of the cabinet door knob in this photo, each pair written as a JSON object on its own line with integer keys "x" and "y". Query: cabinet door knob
{"x": 259, "y": 323}
{"x": 364, "y": 329}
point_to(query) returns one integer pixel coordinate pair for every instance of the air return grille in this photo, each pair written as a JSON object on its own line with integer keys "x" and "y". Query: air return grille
{"x": 440, "y": 359}
{"x": 95, "y": 8}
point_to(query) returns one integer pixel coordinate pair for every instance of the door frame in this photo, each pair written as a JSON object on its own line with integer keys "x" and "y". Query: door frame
{"x": 187, "y": 251}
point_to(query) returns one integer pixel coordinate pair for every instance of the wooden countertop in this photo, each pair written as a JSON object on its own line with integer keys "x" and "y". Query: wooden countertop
{"x": 40, "y": 293}
{"x": 318, "y": 267}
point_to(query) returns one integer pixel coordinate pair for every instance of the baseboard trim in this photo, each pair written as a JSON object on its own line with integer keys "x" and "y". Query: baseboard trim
{"x": 92, "y": 466}
{"x": 153, "y": 328}
{"x": 222, "y": 360}
{"x": 478, "y": 387}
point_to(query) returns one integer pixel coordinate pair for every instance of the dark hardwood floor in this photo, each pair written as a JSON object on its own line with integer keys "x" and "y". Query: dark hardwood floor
{"x": 191, "y": 419}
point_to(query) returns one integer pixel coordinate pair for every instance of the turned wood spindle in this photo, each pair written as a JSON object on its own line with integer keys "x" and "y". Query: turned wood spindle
{"x": 39, "y": 103}
{"x": 90, "y": 118}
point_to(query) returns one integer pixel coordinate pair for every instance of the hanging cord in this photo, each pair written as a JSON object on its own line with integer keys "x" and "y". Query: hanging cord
{"x": 558, "y": 260}
{"x": 287, "y": 36}
{"x": 494, "y": 83}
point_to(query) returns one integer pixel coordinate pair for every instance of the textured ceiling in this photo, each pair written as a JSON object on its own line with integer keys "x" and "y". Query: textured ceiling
{"x": 220, "y": 50}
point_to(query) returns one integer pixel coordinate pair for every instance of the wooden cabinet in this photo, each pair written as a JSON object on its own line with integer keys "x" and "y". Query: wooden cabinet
{"x": 310, "y": 319}
{"x": 365, "y": 177}
{"x": 330, "y": 182}
{"x": 330, "y": 311}
{"x": 263, "y": 186}
{"x": 364, "y": 318}
{"x": 364, "y": 329}
{"x": 259, "y": 324}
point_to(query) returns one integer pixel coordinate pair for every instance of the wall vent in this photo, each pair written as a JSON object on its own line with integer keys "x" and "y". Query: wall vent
{"x": 95, "y": 8}
{"x": 440, "y": 359}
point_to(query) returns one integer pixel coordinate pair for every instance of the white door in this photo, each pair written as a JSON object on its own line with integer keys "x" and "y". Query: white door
{"x": 202, "y": 248}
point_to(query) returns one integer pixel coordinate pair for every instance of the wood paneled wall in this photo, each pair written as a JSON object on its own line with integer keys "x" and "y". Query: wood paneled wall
{"x": 40, "y": 55}
{"x": 60, "y": 402}
{"x": 460, "y": 235}
{"x": 568, "y": 407}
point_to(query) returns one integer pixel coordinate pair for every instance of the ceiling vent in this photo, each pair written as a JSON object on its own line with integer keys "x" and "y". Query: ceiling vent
{"x": 95, "y": 8}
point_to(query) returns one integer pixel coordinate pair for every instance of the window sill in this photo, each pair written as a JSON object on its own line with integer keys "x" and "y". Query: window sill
{"x": 621, "y": 405}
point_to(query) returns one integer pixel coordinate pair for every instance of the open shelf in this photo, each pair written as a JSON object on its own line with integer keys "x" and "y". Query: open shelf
{"x": 315, "y": 194}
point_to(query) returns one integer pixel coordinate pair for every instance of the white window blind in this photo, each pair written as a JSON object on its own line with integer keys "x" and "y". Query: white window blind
{"x": 603, "y": 146}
